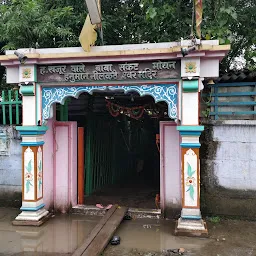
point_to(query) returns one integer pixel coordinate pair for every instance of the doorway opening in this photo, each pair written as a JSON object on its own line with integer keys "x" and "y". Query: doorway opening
{"x": 121, "y": 145}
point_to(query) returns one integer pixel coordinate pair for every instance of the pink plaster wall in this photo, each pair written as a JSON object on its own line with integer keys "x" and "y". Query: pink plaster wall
{"x": 61, "y": 192}
{"x": 48, "y": 166}
{"x": 170, "y": 169}
{"x": 60, "y": 165}
{"x": 65, "y": 163}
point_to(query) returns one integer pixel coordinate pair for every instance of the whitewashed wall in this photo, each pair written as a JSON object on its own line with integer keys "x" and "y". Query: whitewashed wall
{"x": 10, "y": 166}
{"x": 228, "y": 167}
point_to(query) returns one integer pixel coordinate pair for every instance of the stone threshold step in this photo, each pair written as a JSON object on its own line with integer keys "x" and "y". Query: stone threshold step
{"x": 137, "y": 213}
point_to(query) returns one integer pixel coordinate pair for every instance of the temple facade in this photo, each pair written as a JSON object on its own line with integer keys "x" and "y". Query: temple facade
{"x": 50, "y": 175}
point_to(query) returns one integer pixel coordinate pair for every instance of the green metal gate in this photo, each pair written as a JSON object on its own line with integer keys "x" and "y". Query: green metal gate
{"x": 113, "y": 148}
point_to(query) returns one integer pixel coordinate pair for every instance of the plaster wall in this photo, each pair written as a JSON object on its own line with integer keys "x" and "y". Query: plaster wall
{"x": 228, "y": 164}
{"x": 65, "y": 166}
{"x": 48, "y": 156}
{"x": 190, "y": 108}
{"x": 28, "y": 117}
{"x": 170, "y": 169}
{"x": 10, "y": 168}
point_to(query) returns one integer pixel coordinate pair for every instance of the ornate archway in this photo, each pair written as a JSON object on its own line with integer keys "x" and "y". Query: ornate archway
{"x": 160, "y": 92}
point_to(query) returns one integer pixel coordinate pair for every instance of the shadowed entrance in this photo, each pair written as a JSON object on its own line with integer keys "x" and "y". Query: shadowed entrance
{"x": 122, "y": 158}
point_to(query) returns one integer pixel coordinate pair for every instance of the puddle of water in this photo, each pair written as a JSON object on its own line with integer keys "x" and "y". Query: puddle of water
{"x": 61, "y": 234}
{"x": 154, "y": 235}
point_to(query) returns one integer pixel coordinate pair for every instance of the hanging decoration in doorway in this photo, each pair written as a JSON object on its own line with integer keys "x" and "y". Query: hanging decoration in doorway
{"x": 133, "y": 112}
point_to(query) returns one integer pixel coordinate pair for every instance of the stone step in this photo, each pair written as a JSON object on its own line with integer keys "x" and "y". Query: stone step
{"x": 137, "y": 213}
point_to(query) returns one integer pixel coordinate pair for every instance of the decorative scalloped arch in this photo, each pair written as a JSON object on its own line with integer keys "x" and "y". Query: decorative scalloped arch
{"x": 160, "y": 92}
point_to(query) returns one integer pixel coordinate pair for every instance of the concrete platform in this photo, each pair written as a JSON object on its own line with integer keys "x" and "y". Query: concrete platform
{"x": 136, "y": 213}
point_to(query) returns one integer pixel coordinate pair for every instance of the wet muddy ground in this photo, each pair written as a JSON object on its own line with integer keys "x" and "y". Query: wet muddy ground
{"x": 135, "y": 195}
{"x": 154, "y": 238}
{"x": 62, "y": 234}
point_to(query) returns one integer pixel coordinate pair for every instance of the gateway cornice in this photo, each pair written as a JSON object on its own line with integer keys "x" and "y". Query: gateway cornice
{"x": 46, "y": 56}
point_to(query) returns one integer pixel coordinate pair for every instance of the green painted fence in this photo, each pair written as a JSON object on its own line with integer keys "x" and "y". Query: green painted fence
{"x": 10, "y": 107}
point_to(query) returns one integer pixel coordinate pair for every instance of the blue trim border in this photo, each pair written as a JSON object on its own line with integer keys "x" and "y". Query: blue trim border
{"x": 29, "y": 133}
{"x": 190, "y": 128}
{"x": 39, "y": 143}
{"x": 191, "y": 217}
{"x": 33, "y": 208}
{"x": 31, "y": 130}
{"x": 190, "y": 145}
{"x": 190, "y": 133}
{"x": 167, "y": 92}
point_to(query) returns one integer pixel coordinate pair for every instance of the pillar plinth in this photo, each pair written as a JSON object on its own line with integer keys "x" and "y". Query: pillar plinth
{"x": 190, "y": 223}
{"x": 33, "y": 212}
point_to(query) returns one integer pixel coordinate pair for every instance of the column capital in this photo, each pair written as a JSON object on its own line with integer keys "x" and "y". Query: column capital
{"x": 32, "y": 135}
{"x": 190, "y": 135}
{"x": 27, "y": 89}
{"x": 31, "y": 130}
{"x": 190, "y": 130}
{"x": 190, "y": 85}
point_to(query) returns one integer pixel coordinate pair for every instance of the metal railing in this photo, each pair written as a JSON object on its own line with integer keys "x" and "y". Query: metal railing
{"x": 232, "y": 100}
{"x": 10, "y": 107}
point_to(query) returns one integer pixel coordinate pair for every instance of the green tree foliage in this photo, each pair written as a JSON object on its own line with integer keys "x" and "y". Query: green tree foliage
{"x": 57, "y": 23}
{"x": 230, "y": 21}
{"x": 123, "y": 21}
{"x": 39, "y": 23}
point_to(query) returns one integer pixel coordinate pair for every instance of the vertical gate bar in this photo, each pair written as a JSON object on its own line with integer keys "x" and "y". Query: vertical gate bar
{"x": 93, "y": 152}
{"x": 110, "y": 154}
{"x": 100, "y": 152}
{"x": 113, "y": 154}
{"x": 103, "y": 152}
{"x": 80, "y": 165}
{"x": 3, "y": 107}
{"x": 106, "y": 154}
{"x": 104, "y": 169}
{"x": 97, "y": 152}
{"x": 103, "y": 166}
{"x": 17, "y": 107}
{"x": 99, "y": 155}
{"x": 10, "y": 105}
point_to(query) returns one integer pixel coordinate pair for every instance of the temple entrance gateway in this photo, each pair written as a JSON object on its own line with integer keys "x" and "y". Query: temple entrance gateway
{"x": 51, "y": 76}
{"x": 135, "y": 140}
{"x": 121, "y": 147}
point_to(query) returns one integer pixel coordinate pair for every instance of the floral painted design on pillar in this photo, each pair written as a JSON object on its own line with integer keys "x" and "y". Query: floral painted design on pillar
{"x": 39, "y": 173}
{"x": 190, "y": 179}
{"x": 29, "y": 174}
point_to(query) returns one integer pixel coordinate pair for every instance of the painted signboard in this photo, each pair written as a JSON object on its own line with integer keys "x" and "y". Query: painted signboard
{"x": 109, "y": 72}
